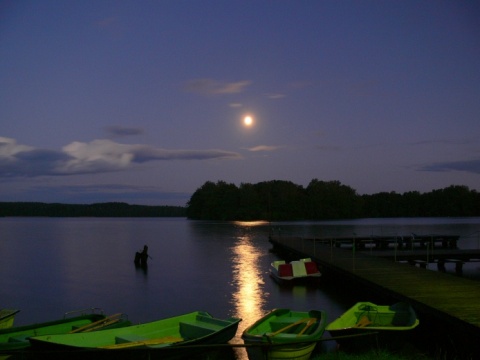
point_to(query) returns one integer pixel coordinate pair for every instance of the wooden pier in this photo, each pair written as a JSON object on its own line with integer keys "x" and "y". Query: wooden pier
{"x": 408, "y": 242}
{"x": 452, "y": 300}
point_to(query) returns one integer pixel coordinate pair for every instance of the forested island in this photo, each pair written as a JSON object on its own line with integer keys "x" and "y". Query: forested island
{"x": 324, "y": 200}
{"x": 275, "y": 200}
{"x": 110, "y": 209}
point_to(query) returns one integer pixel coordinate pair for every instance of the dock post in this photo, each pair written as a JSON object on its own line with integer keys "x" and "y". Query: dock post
{"x": 396, "y": 246}
{"x": 441, "y": 265}
{"x": 353, "y": 254}
{"x": 459, "y": 268}
{"x": 428, "y": 255}
{"x": 331, "y": 250}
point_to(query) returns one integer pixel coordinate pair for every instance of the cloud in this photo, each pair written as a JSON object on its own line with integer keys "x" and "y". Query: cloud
{"x": 471, "y": 166}
{"x": 264, "y": 148}
{"x": 118, "y": 131}
{"x": 213, "y": 87}
{"x": 107, "y": 21}
{"x": 98, "y": 156}
{"x": 9, "y": 147}
{"x": 328, "y": 148}
{"x": 21, "y": 160}
{"x": 464, "y": 141}
{"x": 275, "y": 96}
{"x": 300, "y": 84}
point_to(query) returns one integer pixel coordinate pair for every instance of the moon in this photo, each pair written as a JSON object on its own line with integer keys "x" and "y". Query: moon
{"x": 248, "y": 121}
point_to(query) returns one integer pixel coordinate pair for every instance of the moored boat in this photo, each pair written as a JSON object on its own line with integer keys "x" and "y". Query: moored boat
{"x": 7, "y": 316}
{"x": 295, "y": 271}
{"x": 385, "y": 323}
{"x": 17, "y": 337}
{"x": 284, "y": 334}
{"x": 167, "y": 338}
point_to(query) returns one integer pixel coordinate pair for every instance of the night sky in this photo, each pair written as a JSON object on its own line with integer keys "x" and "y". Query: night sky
{"x": 145, "y": 101}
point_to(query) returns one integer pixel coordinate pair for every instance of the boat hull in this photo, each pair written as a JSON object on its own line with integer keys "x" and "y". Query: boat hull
{"x": 7, "y": 316}
{"x": 17, "y": 337}
{"x": 169, "y": 338}
{"x": 368, "y": 325}
{"x": 281, "y": 352}
{"x": 295, "y": 272}
{"x": 303, "y": 271}
{"x": 284, "y": 334}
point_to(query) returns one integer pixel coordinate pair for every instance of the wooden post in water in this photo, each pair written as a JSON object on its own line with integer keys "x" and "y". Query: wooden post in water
{"x": 395, "y": 256}
{"x": 353, "y": 252}
{"x": 428, "y": 248}
{"x": 331, "y": 250}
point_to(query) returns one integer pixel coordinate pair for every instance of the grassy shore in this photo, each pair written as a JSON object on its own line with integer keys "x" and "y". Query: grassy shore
{"x": 372, "y": 354}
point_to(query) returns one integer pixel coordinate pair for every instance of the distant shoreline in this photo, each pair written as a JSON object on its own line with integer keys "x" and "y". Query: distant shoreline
{"x": 110, "y": 209}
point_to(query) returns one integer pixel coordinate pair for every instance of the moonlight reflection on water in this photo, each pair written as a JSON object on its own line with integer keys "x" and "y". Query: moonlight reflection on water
{"x": 248, "y": 298}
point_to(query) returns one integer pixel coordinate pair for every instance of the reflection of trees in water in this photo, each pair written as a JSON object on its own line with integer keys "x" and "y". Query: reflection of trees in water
{"x": 248, "y": 297}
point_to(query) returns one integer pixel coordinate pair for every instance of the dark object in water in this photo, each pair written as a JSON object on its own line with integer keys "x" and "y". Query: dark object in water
{"x": 141, "y": 257}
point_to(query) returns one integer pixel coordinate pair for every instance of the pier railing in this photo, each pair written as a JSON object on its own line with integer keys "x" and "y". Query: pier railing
{"x": 420, "y": 251}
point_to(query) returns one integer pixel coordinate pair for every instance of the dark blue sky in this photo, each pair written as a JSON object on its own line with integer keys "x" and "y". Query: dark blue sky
{"x": 143, "y": 101}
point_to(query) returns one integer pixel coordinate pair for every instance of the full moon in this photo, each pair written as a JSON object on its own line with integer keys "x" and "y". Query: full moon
{"x": 248, "y": 121}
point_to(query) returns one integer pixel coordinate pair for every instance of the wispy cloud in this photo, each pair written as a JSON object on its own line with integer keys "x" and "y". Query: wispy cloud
{"x": 98, "y": 156}
{"x": 275, "y": 96}
{"x": 328, "y": 148}
{"x": 113, "y": 26}
{"x": 107, "y": 21}
{"x": 9, "y": 148}
{"x": 471, "y": 166}
{"x": 120, "y": 131}
{"x": 213, "y": 87}
{"x": 264, "y": 148}
{"x": 446, "y": 141}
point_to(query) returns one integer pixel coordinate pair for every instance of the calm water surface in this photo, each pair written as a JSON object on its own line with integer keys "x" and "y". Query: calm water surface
{"x": 49, "y": 266}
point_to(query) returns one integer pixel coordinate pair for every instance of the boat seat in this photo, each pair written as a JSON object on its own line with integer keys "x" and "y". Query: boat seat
{"x": 298, "y": 268}
{"x": 311, "y": 267}
{"x": 280, "y": 324}
{"x": 285, "y": 270}
{"x": 363, "y": 322}
{"x": 126, "y": 338}
{"x": 192, "y": 330}
{"x": 402, "y": 316}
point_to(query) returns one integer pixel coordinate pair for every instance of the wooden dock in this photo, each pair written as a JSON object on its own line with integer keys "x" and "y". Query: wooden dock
{"x": 452, "y": 300}
{"x": 410, "y": 241}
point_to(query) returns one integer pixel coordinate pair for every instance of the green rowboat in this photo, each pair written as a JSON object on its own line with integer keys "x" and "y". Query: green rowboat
{"x": 6, "y": 318}
{"x": 386, "y": 324}
{"x": 17, "y": 337}
{"x": 172, "y": 337}
{"x": 285, "y": 334}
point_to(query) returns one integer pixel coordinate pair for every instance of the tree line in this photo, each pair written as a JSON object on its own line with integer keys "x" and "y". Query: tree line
{"x": 110, "y": 209}
{"x": 323, "y": 200}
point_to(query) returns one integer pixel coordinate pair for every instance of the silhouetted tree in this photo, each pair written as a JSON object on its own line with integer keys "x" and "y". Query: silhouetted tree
{"x": 112, "y": 209}
{"x": 214, "y": 202}
{"x": 249, "y": 207}
{"x": 331, "y": 200}
{"x": 281, "y": 200}
{"x": 284, "y": 200}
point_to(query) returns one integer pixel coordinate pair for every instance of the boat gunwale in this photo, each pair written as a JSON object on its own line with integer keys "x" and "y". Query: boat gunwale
{"x": 108, "y": 336}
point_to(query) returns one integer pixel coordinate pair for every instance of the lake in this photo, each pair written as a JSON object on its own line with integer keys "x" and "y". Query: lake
{"x": 49, "y": 266}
